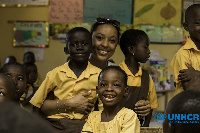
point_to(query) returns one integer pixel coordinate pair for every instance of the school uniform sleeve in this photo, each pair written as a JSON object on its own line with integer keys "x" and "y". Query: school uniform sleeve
{"x": 131, "y": 124}
{"x": 152, "y": 96}
{"x": 41, "y": 94}
{"x": 177, "y": 64}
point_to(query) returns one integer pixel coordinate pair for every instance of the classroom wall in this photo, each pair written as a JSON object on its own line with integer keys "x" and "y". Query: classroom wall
{"x": 54, "y": 54}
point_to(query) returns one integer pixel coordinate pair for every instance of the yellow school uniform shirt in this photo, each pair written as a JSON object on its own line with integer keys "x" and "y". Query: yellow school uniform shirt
{"x": 186, "y": 54}
{"x": 125, "y": 121}
{"x": 65, "y": 85}
{"x": 135, "y": 80}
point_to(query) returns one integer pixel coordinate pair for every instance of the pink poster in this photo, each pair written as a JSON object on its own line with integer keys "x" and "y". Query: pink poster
{"x": 66, "y": 11}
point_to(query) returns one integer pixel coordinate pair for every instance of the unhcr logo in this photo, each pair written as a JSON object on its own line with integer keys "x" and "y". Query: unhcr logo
{"x": 160, "y": 117}
{"x": 176, "y": 118}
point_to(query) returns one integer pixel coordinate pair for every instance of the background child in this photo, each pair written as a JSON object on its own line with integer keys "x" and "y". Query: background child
{"x": 112, "y": 87}
{"x": 17, "y": 72}
{"x": 186, "y": 63}
{"x": 135, "y": 46}
{"x": 7, "y": 89}
{"x": 71, "y": 84}
{"x": 29, "y": 57}
{"x": 186, "y": 102}
{"x": 32, "y": 73}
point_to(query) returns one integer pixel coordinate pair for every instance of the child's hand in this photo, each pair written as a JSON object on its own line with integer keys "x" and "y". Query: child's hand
{"x": 81, "y": 104}
{"x": 186, "y": 75}
{"x": 142, "y": 108}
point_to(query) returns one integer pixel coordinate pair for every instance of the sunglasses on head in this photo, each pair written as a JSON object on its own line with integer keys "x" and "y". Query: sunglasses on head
{"x": 108, "y": 21}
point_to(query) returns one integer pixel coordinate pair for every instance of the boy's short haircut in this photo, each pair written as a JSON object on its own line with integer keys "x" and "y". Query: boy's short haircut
{"x": 70, "y": 32}
{"x": 186, "y": 102}
{"x": 115, "y": 68}
{"x": 189, "y": 10}
{"x": 131, "y": 37}
{"x": 14, "y": 119}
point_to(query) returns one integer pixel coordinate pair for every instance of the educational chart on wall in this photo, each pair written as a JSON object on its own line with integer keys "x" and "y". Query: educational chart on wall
{"x": 163, "y": 34}
{"x": 157, "y": 12}
{"x": 120, "y": 10}
{"x": 24, "y": 2}
{"x": 61, "y": 11}
{"x": 30, "y": 34}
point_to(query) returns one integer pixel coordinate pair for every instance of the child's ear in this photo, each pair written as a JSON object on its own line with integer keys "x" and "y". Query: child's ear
{"x": 66, "y": 50}
{"x": 185, "y": 25}
{"x": 126, "y": 91}
{"x": 131, "y": 49}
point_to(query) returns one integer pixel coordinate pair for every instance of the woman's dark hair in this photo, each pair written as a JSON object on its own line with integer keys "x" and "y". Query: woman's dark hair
{"x": 106, "y": 21}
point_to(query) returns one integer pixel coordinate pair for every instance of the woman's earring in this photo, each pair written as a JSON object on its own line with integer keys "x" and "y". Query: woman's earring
{"x": 133, "y": 53}
{"x": 97, "y": 95}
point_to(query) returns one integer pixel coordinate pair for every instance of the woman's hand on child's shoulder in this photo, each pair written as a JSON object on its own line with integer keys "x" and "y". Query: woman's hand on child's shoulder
{"x": 81, "y": 104}
{"x": 142, "y": 107}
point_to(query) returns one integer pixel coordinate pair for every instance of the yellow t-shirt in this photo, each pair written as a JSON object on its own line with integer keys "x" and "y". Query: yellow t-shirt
{"x": 65, "y": 85}
{"x": 186, "y": 54}
{"x": 125, "y": 121}
{"x": 135, "y": 80}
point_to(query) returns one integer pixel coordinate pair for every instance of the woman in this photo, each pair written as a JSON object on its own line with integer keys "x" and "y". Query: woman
{"x": 105, "y": 36}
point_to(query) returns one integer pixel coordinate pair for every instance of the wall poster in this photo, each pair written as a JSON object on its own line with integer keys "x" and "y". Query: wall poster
{"x": 31, "y": 34}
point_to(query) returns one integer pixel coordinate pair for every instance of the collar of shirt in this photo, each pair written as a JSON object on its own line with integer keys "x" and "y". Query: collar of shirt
{"x": 190, "y": 45}
{"x": 90, "y": 70}
{"x": 128, "y": 72}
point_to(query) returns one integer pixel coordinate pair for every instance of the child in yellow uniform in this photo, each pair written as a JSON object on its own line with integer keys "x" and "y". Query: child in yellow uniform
{"x": 112, "y": 87}
{"x": 142, "y": 97}
{"x": 32, "y": 72}
{"x": 186, "y": 62}
{"x": 73, "y": 85}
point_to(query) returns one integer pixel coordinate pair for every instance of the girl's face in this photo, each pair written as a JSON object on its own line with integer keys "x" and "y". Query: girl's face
{"x": 5, "y": 91}
{"x": 105, "y": 39}
{"x": 18, "y": 74}
{"x": 141, "y": 50}
{"x": 111, "y": 87}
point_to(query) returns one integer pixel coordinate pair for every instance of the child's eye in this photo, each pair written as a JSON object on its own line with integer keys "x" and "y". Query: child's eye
{"x": 197, "y": 22}
{"x": 73, "y": 44}
{"x": 85, "y": 44}
{"x": 1, "y": 93}
{"x": 102, "y": 85}
{"x": 20, "y": 78}
{"x": 116, "y": 85}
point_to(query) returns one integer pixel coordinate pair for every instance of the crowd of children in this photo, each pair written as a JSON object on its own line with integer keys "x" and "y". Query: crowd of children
{"x": 89, "y": 94}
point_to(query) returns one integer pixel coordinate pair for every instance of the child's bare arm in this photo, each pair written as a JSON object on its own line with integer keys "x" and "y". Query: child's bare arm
{"x": 79, "y": 104}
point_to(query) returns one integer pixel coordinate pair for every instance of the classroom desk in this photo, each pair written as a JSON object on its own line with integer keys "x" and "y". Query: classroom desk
{"x": 164, "y": 93}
